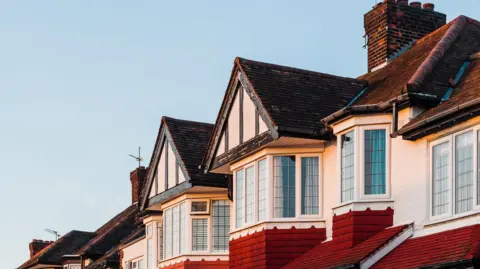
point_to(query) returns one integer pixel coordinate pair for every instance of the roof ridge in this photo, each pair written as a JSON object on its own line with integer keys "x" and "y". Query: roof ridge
{"x": 299, "y": 70}
{"x": 166, "y": 118}
{"x": 438, "y": 52}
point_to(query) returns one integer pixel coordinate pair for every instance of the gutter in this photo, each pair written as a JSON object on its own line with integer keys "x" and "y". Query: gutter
{"x": 438, "y": 116}
{"x": 377, "y": 107}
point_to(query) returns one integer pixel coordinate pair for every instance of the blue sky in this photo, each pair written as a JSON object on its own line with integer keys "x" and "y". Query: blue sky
{"x": 84, "y": 83}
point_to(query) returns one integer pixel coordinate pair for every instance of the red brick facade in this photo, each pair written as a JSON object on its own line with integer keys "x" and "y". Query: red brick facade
{"x": 137, "y": 178}
{"x": 354, "y": 227}
{"x": 199, "y": 265}
{"x": 37, "y": 245}
{"x": 273, "y": 248}
{"x": 392, "y": 26}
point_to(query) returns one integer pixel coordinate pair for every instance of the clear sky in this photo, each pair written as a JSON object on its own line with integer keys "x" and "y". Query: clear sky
{"x": 84, "y": 83}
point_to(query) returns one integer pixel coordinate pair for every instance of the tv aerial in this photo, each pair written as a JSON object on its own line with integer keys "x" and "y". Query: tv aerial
{"x": 138, "y": 158}
{"x": 55, "y": 233}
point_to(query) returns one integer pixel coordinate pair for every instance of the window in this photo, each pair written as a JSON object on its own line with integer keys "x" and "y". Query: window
{"x": 140, "y": 264}
{"x": 284, "y": 186}
{"x": 310, "y": 202}
{"x": 149, "y": 230}
{"x": 221, "y": 225}
{"x": 249, "y": 189}
{"x": 239, "y": 199}
{"x": 440, "y": 183}
{"x": 375, "y": 162}
{"x": 347, "y": 167}
{"x": 262, "y": 190}
{"x": 199, "y": 207}
{"x": 464, "y": 172}
{"x": 168, "y": 233}
{"x": 160, "y": 240}
{"x": 174, "y": 229}
{"x": 200, "y": 234}
{"x": 149, "y": 254}
{"x": 453, "y": 174}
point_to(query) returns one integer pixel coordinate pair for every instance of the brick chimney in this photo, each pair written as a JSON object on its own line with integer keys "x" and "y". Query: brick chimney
{"x": 137, "y": 178}
{"x": 392, "y": 26}
{"x": 37, "y": 245}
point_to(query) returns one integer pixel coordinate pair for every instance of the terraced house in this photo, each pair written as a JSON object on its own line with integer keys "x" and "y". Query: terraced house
{"x": 304, "y": 169}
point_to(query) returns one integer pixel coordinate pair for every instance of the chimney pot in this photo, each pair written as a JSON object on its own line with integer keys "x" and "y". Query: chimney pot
{"x": 429, "y": 6}
{"x": 402, "y": 2}
{"x": 416, "y": 4}
{"x": 37, "y": 245}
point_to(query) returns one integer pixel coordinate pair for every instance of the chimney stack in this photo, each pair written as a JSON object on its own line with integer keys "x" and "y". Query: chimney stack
{"x": 137, "y": 178}
{"x": 37, "y": 245}
{"x": 393, "y": 26}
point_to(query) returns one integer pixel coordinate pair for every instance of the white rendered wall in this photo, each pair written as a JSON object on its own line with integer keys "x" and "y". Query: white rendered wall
{"x": 172, "y": 167}
{"x": 134, "y": 251}
{"x": 234, "y": 124}
{"x": 248, "y": 117}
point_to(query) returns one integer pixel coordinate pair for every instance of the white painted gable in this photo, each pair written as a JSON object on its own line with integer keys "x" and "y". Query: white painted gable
{"x": 237, "y": 123}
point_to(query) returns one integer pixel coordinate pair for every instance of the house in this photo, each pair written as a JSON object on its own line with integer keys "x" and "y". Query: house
{"x": 92, "y": 250}
{"x": 379, "y": 171}
{"x": 185, "y": 212}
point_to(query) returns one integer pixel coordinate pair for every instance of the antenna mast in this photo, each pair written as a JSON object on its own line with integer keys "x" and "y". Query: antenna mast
{"x": 57, "y": 235}
{"x": 138, "y": 158}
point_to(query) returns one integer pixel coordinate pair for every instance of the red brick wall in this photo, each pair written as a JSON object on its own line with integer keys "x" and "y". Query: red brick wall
{"x": 273, "y": 248}
{"x": 355, "y": 227}
{"x": 37, "y": 245}
{"x": 391, "y": 27}
{"x": 199, "y": 265}
{"x": 137, "y": 178}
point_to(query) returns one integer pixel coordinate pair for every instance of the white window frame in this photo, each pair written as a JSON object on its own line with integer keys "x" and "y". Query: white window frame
{"x": 209, "y": 239}
{"x": 200, "y": 212}
{"x": 164, "y": 219}
{"x": 256, "y": 189}
{"x": 210, "y": 227}
{"x": 451, "y": 138}
{"x": 359, "y": 164}
{"x": 270, "y": 191}
{"x": 361, "y": 149}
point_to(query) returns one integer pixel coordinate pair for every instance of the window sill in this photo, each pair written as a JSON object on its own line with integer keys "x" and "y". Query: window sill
{"x": 362, "y": 205}
{"x": 279, "y": 224}
{"x": 453, "y": 218}
{"x": 207, "y": 256}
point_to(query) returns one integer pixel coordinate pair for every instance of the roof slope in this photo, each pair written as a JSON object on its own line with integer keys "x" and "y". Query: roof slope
{"x": 436, "y": 249}
{"x": 191, "y": 140}
{"x": 329, "y": 255}
{"x": 111, "y": 233}
{"x": 112, "y": 257}
{"x": 296, "y": 98}
{"x": 67, "y": 244}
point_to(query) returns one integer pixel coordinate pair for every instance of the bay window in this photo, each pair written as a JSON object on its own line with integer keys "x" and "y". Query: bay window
{"x": 453, "y": 170}
{"x": 363, "y": 156}
{"x": 174, "y": 229}
{"x": 200, "y": 234}
{"x": 277, "y": 187}
{"x": 221, "y": 225}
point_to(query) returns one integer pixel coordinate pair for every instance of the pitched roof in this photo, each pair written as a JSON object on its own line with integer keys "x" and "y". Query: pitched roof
{"x": 112, "y": 257}
{"x": 436, "y": 249}
{"x": 297, "y": 99}
{"x": 190, "y": 140}
{"x": 52, "y": 254}
{"x": 332, "y": 255}
{"x": 111, "y": 233}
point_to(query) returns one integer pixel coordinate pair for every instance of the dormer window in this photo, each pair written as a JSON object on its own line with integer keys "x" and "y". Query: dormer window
{"x": 364, "y": 163}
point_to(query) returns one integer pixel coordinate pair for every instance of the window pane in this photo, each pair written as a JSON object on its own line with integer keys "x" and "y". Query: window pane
{"x": 221, "y": 225}
{"x": 249, "y": 189}
{"x": 440, "y": 178}
{"x": 239, "y": 199}
{"x": 199, "y": 206}
{"x": 168, "y": 234}
{"x": 160, "y": 240}
{"x": 310, "y": 186}
{"x": 140, "y": 264}
{"x": 463, "y": 172}
{"x": 181, "y": 240}
{"x": 284, "y": 186}
{"x": 200, "y": 234}
{"x": 375, "y": 164}
{"x": 262, "y": 190}
{"x": 347, "y": 172}
{"x": 175, "y": 230}
{"x": 149, "y": 254}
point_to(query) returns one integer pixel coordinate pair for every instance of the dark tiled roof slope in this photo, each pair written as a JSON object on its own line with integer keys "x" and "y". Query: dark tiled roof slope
{"x": 330, "y": 255}
{"x": 112, "y": 257}
{"x": 191, "y": 141}
{"x": 67, "y": 244}
{"x": 436, "y": 249}
{"x": 296, "y": 98}
{"x": 110, "y": 234}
